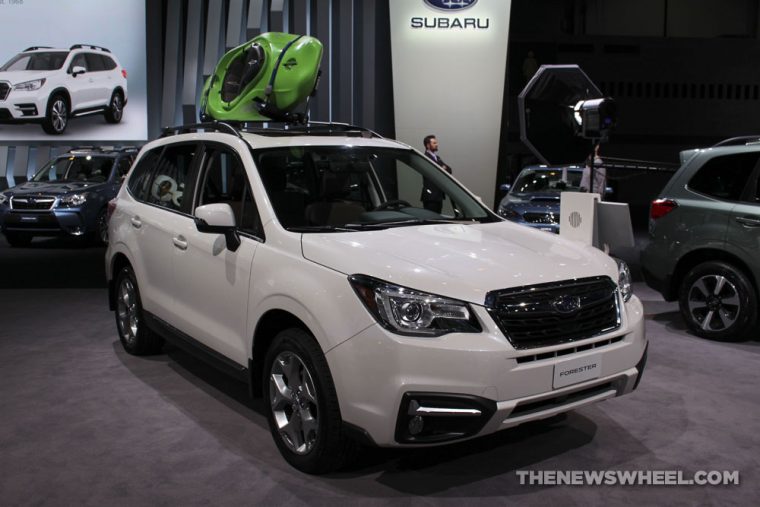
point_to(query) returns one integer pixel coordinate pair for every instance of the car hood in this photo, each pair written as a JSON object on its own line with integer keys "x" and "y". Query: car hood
{"x": 457, "y": 260}
{"x": 51, "y": 188}
{"x": 19, "y": 76}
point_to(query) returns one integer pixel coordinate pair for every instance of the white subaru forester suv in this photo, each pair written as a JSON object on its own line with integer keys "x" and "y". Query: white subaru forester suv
{"x": 50, "y": 86}
{"x": 304, "y": 262}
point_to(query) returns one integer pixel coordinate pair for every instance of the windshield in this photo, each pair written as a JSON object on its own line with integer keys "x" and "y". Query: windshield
{"x": 49, "y": 60}
{"x": 315, "y": 188}
{"x": 548, "y": 180}
{"x": 87, "y": 168}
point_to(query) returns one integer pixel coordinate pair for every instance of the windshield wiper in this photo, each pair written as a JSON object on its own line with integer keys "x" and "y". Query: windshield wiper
{"x": 323, "y": 228}
{"x": 401, "y": 223}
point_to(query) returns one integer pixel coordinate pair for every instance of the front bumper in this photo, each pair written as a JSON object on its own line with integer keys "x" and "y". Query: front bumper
{"x": 24, "y": 107}
{"x": 57, "y": 222}
{"x": 376, "y": 373}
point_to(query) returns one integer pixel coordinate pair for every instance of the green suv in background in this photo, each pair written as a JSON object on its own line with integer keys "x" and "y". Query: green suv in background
{"x": 704, "y": 239}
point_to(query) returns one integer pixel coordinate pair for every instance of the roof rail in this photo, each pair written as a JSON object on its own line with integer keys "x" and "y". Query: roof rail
{"x": 218, "y": 126}
{"x": 35, "y": 48}
{"x": 90, "y": 46}
{"x": 737, "y": 141}
{"x": 102, "y": 149}
{"x": 316, "y": 128}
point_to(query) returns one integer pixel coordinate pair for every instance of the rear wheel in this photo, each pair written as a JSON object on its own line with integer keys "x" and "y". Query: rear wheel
{"x": 135, "y": 336}
{"x": 57, "y": 117}
{"x": 302, "y": 405}
{"x": 18, "y": 239}
{"x": 115, "y": 109}
{"x": 718, "y": 302}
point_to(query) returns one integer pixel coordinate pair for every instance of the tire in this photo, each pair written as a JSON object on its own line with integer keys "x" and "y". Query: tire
{"x": 18, "y": 239}
{"x": 323, "y": 446}
{"x": 115, "y": 110}
{"x": 100, "y": 234}
{"x": 57, "y": 116}
{"x": 718, "y": 302}
{"x": 136, "y": 338}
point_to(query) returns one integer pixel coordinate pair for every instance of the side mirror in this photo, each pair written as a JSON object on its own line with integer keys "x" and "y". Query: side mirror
{"x": 78, "y": 70}
{"x": 218, "y": 219}
{"x": 505, "y": 187}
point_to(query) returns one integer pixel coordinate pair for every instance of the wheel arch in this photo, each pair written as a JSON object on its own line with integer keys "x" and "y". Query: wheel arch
{"x": 118, "y": 262}
{"x": 60, "y": 91}
{"x": 270, "y": 323}
{"x": 696, "y": 257}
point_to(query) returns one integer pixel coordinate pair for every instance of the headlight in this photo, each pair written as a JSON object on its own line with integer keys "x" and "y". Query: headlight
{"x": 73, "y": 200}
{"x": 625, "y": 283}
{"x": 3, "y": 198}
{"x": 509, "y": 213}
{"x": 413, "y": 313}
{"x": 28, "y": 86}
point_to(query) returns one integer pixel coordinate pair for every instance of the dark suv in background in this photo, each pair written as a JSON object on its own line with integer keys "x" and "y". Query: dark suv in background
{"x": 67, "y": 197}
{"x": 704, "y": 247}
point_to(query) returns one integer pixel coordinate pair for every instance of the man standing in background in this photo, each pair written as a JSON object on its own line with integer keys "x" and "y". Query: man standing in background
{"x": 432, "y": 196}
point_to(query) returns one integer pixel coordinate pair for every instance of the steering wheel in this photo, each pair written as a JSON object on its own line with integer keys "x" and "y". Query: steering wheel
{"x": 394, "y": 204}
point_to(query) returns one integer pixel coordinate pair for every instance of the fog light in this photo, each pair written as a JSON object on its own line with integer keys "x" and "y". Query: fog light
{"x": 76, "y": 231}
{"x": 416, "y": 424}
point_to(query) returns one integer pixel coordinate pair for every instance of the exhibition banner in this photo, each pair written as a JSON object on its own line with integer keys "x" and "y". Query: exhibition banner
{"x": 449, "y": 63}
{"x": 35, "y": 68}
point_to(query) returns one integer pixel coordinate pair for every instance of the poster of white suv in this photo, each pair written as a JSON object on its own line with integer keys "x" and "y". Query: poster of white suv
{"x": 303, "y": 262}
{"x": 51, "y": 86}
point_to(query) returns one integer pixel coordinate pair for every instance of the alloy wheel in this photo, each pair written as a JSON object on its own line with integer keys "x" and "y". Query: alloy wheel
{"x": 59, "y": 115}
{"x": 117, "y": 107}
{"x": 102, "y": 226}
{"x": 126, "y": 311}
{"x": 714, "y": 302}
{"x": 293, "y": 399}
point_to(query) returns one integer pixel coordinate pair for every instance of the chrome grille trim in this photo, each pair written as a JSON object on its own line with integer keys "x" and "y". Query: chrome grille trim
{"x": 32, "y": 203}
{"x": 530, "y": 317}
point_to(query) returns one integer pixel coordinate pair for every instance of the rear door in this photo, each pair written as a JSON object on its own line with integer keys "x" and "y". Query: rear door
{"x": 744, "y": 224}
{"x": 157, "y": 213}
{"x": 212, "y": 282}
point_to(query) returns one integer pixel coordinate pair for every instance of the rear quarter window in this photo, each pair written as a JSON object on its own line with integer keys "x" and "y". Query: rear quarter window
{"x": 724, "y": 177}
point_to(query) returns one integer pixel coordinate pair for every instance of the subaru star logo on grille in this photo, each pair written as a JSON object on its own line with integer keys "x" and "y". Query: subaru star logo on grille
{"x": 566, "y": 304}
{"x": 450, "y": 5}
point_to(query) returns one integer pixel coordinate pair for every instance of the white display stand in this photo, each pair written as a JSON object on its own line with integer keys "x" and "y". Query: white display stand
{"x": 586, "y": 218}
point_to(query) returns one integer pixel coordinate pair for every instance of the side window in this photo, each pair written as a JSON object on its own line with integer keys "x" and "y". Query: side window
{"x": 122, "y": 168}
{"x": 141, "y": 176}
{"x": 167, "y": 182}
{"x": 724, "y": 177}
{"x": 78, "y": 61}
{"x": 108, "y": 63}
{"x": 94, "y": 62}
{"x": 224, "y": 181}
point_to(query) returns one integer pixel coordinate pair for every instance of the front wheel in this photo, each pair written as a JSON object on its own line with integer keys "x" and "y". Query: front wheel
{"x": 718, "y": 302}
{"x": 57, "y": 117}
{"x": 115, "y": 109}
{"x": 136, "y": 338}
{"x": 302, "y": 405}
{"x": 100, "y": 235}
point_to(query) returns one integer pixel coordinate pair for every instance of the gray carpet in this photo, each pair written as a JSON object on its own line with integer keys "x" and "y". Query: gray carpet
{"x": 83, "y": 423}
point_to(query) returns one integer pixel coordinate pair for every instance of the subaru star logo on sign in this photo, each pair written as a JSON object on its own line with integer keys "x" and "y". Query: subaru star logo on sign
{"x": 450, "y": 5}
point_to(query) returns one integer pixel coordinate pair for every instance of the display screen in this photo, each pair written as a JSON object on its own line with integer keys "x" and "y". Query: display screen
{"x": 73, "y": 71}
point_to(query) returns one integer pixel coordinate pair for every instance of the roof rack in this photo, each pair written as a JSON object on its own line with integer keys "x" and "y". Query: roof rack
{"x": 737, "y": 141}
{"x": 273, "y": 129}
{"x": 103, "y": 149}
{"x": 35, "y": 48}
{"x": 90, "y": 46}
{"x": 214, "y": 126}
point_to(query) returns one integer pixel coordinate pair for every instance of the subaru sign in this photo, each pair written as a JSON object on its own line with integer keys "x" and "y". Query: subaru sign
{"x": 450, "y": 5}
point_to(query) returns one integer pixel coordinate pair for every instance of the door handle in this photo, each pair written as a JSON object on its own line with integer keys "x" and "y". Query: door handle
{"x": 180, "y": 242}
{"x": 136, "y": 223}
{"x": 748, "y": 221}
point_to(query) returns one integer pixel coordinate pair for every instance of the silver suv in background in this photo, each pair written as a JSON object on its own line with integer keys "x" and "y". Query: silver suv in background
{"x": 704, "y": 239}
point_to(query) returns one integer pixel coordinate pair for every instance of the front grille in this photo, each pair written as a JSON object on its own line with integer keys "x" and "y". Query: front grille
{"x": 32, "y": 203}
{"x": 554, "y": 313}
{"x": 5, "y": 89}
{"x": 541, "y": 218}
